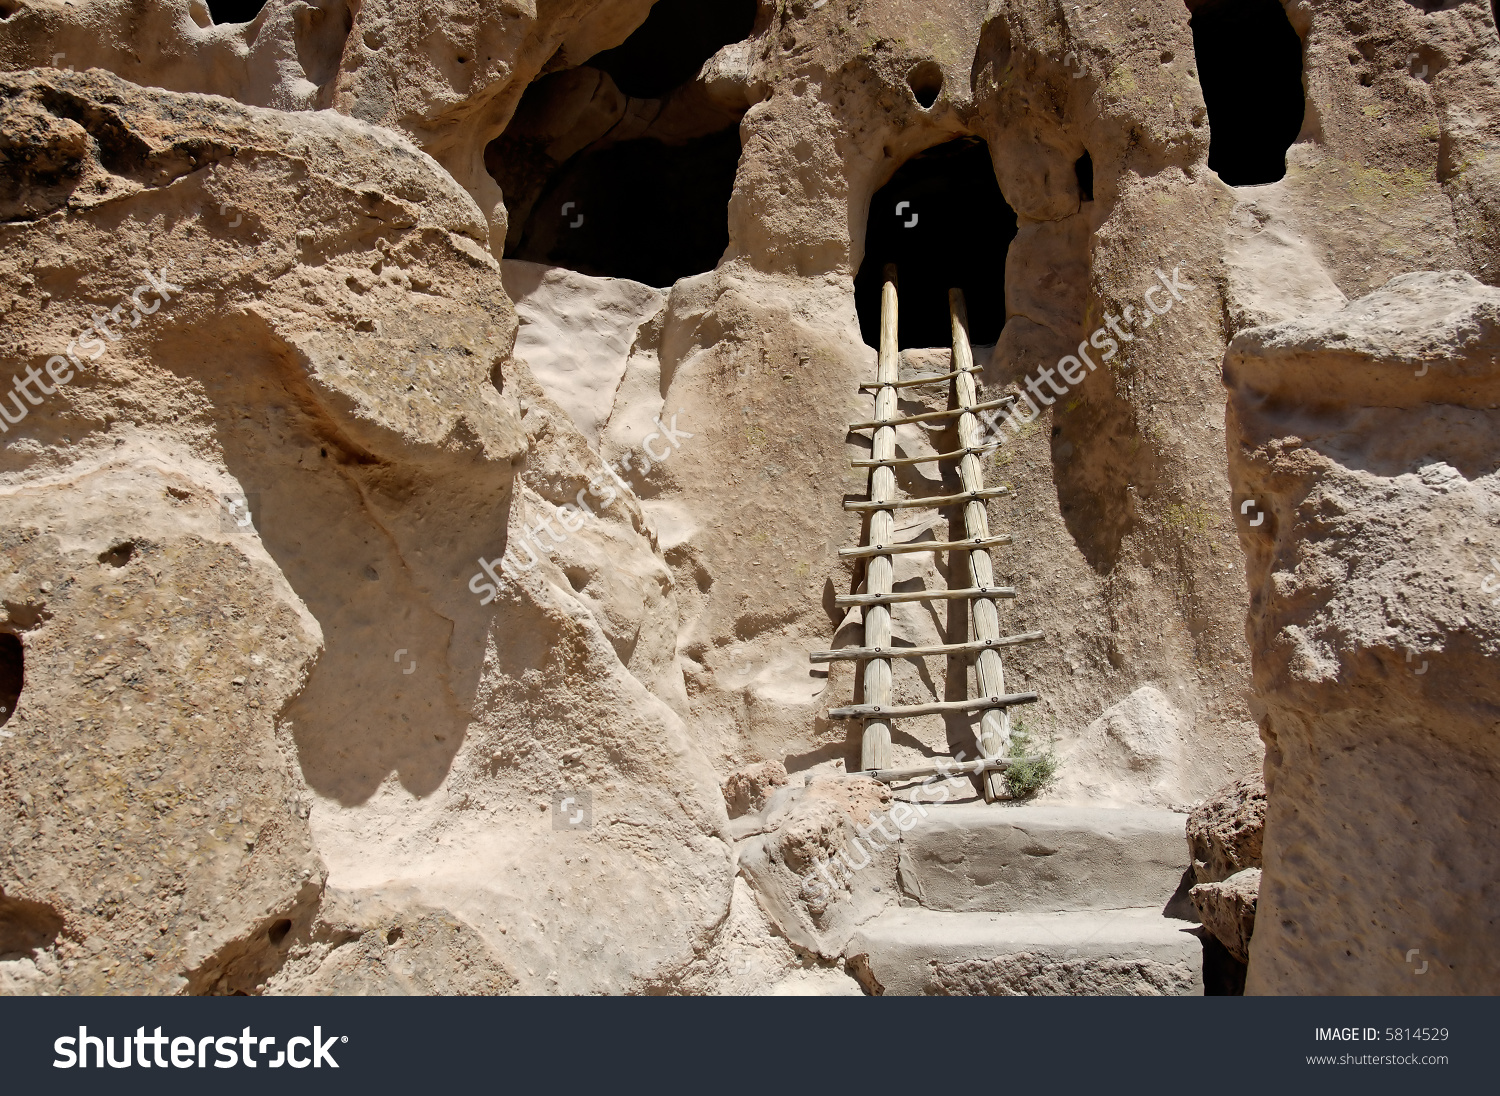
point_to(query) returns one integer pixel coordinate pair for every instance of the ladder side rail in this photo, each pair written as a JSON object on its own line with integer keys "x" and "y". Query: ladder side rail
{"x": 994, "y": 725}
{"x": 875, "y": 745}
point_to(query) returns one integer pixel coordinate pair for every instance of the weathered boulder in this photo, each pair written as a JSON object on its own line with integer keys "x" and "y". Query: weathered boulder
{"x": 1225, "y": 831}
{"x": 748, "y": 789}
{"x": 1135, "y": 753}
{"x": 1227, "y": 909}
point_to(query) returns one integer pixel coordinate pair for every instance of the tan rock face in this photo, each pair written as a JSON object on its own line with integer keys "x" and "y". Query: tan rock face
{"x": 202, "y": 685}
{"x": 817, "y": 866}
{"x": 154, "y": 813}
{"x": 287, "y": 57}
{"x": 1365, "y": 441}
{"x": 334, "y": 420}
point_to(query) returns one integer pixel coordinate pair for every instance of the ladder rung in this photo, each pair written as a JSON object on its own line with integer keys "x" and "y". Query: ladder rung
{"x": 957, "y": 768}
{"x": 979, "y": 703}
{"x": 933, "y": 500}
{"x": 925, "y": 595}
{"x": 911, "y": 381}
{"x": 922, "y": 460}
{"x": 942, "y": 768}
{"x": 930, "y": 416}
{"x": 856, "y": 654}
{"x": 923, "y": 546}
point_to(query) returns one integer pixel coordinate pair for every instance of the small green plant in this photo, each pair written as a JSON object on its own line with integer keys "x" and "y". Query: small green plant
{"x": 1034, "y": 775}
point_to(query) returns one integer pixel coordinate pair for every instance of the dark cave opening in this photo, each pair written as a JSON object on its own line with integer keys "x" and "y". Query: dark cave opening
{"x": 624, "y": 167}
{"x": 668, "y": 49}
{"x": 944, "y": 223}
{"x": 641, "y": 209}
{"x": 12, "y": 674}
{"x": 234, "y": 11}
{"x": 1083, "y": 168}
{"x": 1250, "y": 67}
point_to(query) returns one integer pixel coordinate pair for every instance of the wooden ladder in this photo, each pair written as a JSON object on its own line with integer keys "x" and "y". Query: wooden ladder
{"x": 981, "y": 593}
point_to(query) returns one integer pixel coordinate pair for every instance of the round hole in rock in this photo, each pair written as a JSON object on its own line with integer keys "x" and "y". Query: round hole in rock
{"x": 25, "y": 927}
{"x": 119, "y": 555}
{"x": 12, "y": 674}
{"x": 926, "y": 82}
{"x": 1250, "y": 67}
{"x": 669, "y": 48}
{"x": 278, "y": 931}
{"x": 234, "y": 11}
{"x": 943, "y": 222}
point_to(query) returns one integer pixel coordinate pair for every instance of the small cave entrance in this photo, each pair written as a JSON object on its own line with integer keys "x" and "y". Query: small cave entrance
{"x": 1083, "y": 168}
{"x": 943, "y": 222}
{"x": 644, "y": 210}
{"x": 668, "y": 49}
{"x": 623, "y": 167}
{"x": 1250, "y": 66}
{"x": 12, "y": 674}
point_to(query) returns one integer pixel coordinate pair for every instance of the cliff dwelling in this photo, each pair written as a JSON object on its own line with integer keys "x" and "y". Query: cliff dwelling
{"x": 750, "y": 497}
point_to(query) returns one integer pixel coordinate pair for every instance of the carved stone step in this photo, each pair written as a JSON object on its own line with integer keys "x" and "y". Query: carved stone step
{"x": 1042, "y": 858}
{"x": 1128, "y": 952}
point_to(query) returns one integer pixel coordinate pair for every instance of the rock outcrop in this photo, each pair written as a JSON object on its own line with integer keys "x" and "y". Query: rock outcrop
{"x": 816, "y": 865}
{"x": 1363, "y": 446}
{"x": 241, "y": 540}
{"x": 1227, "y": 909}
{"x": 1225, "y": 834}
